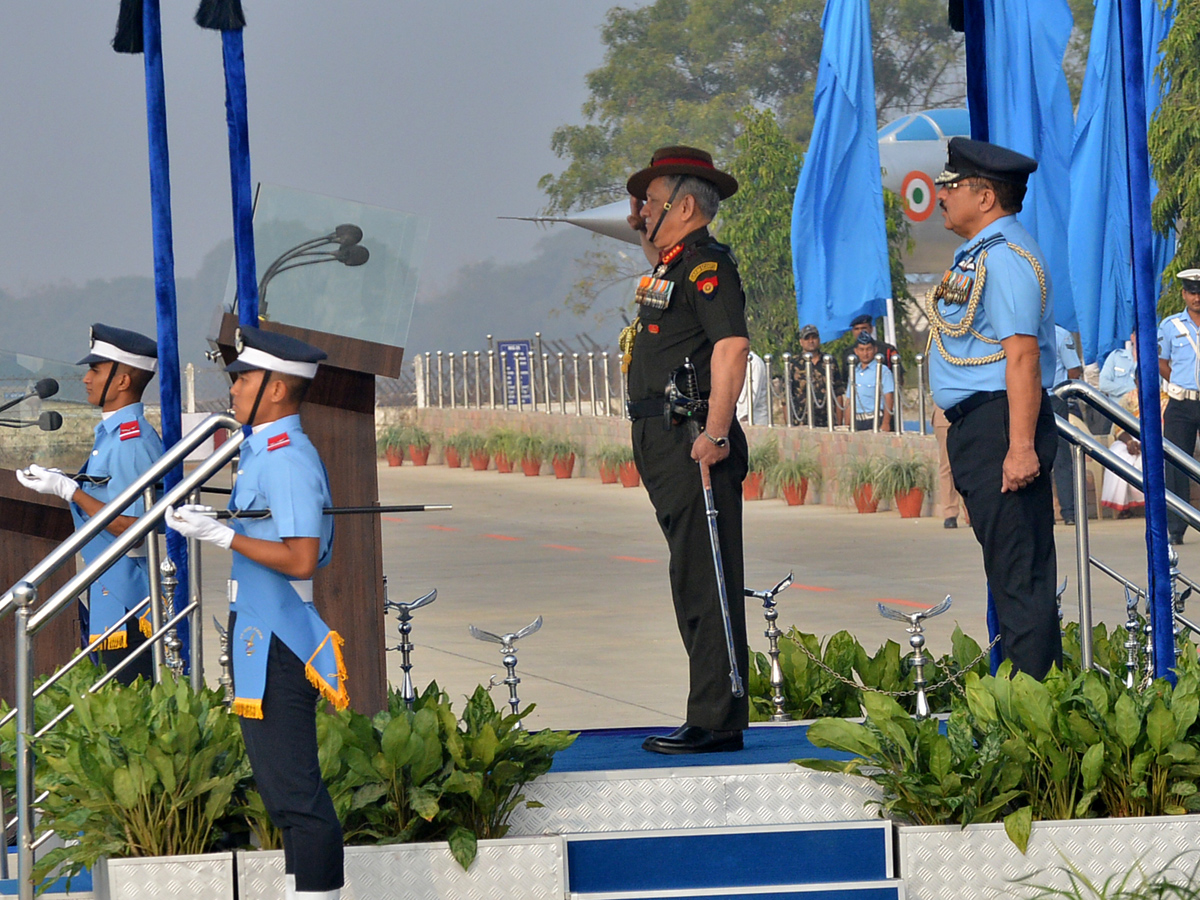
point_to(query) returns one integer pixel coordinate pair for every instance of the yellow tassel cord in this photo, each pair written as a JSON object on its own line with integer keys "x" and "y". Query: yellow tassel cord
{"x": 340, "y": 698}
{"x": 118, "y": 640}
{"x": 249, "y": 709}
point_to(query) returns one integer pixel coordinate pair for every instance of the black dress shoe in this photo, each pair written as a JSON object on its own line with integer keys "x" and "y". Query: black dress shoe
{"x": 1177, "y": 540}
{"x": 951, "y": 522}
{"x": 693, "y": 739}
{"x": 1068, "y": 520}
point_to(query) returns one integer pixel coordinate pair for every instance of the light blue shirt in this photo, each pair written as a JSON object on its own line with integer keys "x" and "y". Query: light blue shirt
{"x": 1065, "y": 355}
{"x": 1011, "y": 304}
{"x": 1117, "y": 377}
{"x": 1178, "y": 338}
{"x": 864, "y": 386}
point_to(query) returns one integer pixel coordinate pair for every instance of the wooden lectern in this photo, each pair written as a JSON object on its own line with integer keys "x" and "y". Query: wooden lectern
{"x": 339, "y": 417}
{"x": 31, "y": 526}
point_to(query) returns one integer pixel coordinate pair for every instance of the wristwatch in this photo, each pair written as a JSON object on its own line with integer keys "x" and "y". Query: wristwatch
{"x": 718, "y": 441}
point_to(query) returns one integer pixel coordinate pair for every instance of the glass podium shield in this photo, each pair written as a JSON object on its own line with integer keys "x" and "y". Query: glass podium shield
{"x": 342, "y": 276}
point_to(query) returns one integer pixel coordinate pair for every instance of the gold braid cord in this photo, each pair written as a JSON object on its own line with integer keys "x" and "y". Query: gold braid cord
{"x": 625, "y": 343}
{"x": 939, "y": 326}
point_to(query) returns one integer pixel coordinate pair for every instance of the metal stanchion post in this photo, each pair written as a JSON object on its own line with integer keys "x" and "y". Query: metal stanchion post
{"x": 592, "y": 380}
{"x": 830, "y": 399}
{"x": 491, "y": 376}
{"x": 621, "y": 410}
{"x": 578, "y": 399}
{"x": 532, "y": 380}
{"x": 195, "y": 620}
{"x": 428, "y": 375}
{"x": 478, "y": 405}
{"x": 787, "y": 390}
{"x": 810, "y": 394}
{"x": 1083, "y": 566}
{"x": 25, "y": 595}
{"x": 852, "y": 391}
{"x": 607, "y": 386}
{"x": 535, "y": 355}
{"x": 770, "y": 399}
{"x": 921, "y": 394}
{"x": 441, "y": 401}
{"x": 153, "y": 561}
{"x": 875, "y": 414}
{"x": 562, "y": 385}
{"x": 516, "y": 370}
{"x": 453, "y": 378}
{"x": 546, "y": 380}
{"x": 504, "y": 379}
{"x": 898, "y": 379}
{"x": 750, "y": 392}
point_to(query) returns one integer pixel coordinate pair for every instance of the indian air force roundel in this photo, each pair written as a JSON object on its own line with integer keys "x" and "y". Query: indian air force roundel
{"x": 918, "y": 191}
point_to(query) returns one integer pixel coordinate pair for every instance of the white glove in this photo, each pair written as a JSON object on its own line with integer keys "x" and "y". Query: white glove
{"x": 48, "y": 481}
{"x": 195, "y": 521}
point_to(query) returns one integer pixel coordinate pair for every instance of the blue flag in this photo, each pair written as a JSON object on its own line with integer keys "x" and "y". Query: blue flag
{"x": 1100, "y": 224}
{"x": 1029, "y": 110}
{"x": 839, "y": 242}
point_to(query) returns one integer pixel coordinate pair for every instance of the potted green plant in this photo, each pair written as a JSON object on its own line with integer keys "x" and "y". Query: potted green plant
{"x": 857, "y": 479}
{"x": 627, "y": 469}
{"x": 762, "y": 458}
{"x": 470, "y": 446}
{"x": 390, "y": 443}
{"x": 561, "y": 452}
{"x": 907, "y": 479}
{"x": 450, "y": 448}
{"x": 503, "y": 443}
{"x": 530, "y": 450}
{"x": 791, "y": 477}
{"x": 608, "y": 459}
{"x": 419, "y": 441}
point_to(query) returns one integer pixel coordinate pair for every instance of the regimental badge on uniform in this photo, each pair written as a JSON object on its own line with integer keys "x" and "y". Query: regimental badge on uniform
{"x": 278, "y": 442}
{"x": 654, "y": 293}
{"x": 250, "y": 637}
{"x": 707, "y": 285}
{"x": 130, "y": 430}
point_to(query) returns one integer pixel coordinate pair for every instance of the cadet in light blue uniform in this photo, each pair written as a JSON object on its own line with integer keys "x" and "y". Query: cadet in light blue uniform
{"x": 865, "y": 348}
{"x": 1118, "y": 375}
{"x": 1179, "y": 366}
{"x": 120, "y": 365}
{"x": 284, "y": 655}
{"x": 992, "y": 357}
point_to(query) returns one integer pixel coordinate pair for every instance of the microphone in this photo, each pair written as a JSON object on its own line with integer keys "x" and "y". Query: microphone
{"x": 47, "y": 421}
{"x": 347, "y": 235}
{"x": 47, "y": 387}
{"x": 353, "y": 255}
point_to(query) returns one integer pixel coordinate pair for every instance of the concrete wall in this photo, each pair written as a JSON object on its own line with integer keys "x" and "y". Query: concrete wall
{"x": 832, "y": 449}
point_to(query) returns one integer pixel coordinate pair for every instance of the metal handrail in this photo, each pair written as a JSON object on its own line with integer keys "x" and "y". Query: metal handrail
{"x": 149, "y": 520}
{"x": 117, "y": 506}
{"x": 1102, "y": 403}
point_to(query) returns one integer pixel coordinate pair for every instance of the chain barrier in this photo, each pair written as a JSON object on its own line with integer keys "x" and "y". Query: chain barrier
{"x": 929, "y": 689}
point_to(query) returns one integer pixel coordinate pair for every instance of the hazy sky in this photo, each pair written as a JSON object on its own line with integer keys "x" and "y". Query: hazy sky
{"x": 443, "y": 109}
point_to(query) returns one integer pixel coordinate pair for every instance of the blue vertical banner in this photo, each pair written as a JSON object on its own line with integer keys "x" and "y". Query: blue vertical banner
{"x": 1029, "y": 110}
{"x": 839, "y": 241}
{"x": 1101, "y": 255}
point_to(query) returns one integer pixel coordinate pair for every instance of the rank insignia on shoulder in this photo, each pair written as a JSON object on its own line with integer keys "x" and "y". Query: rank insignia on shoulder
{"x": 278, "y": 442}
{"x": 130, "y": 430}
{"x": 707, "y": 285}
{"x": 709, "y": 266}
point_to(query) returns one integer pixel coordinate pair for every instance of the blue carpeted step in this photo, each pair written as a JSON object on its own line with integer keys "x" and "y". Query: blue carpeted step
{"x": 866, "y": 890}
{"x": 821, "y": 853}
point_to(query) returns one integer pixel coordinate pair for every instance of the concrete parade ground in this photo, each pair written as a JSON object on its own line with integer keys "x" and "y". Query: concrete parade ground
{"x": 592, "y": 561}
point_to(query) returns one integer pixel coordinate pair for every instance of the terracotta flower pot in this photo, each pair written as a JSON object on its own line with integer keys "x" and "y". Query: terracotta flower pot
{"x": 418, "y": 455}
{"x": 608, "y": 474}
{"x": 479, "y": 461}
{"x": 795, "y": 494}
{"x": 452, "y": 458}
{"x": 752, "y": 487}
{"x": 531, "y": 467}
{"x": 503, "y": 463}
{"x": 910, "y": 503}
{"x": 563, "y": 467}
{"x": 394, "y": 456}
{"x": 629, "y": 475}
{"x": 865, "y": 500}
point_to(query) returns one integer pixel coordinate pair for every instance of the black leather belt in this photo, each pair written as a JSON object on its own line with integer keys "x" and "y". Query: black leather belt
{"x": 644, "y": 409}
{"x": 958, "y": 410}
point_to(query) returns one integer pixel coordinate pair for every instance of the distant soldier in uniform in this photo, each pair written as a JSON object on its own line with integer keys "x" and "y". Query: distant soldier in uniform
{"x": 284, "y": 655}
{"x": 862, "y": 417}
{"x": 1179, "y": 365}
{"x": 1067, "y": 367}
{"x": 810, "y": 342}
{"x": 990, "y": 363}
{"x": 692, "y": 308}
{"x": 120, "y": 366}
{"x": 865, "y": 324}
